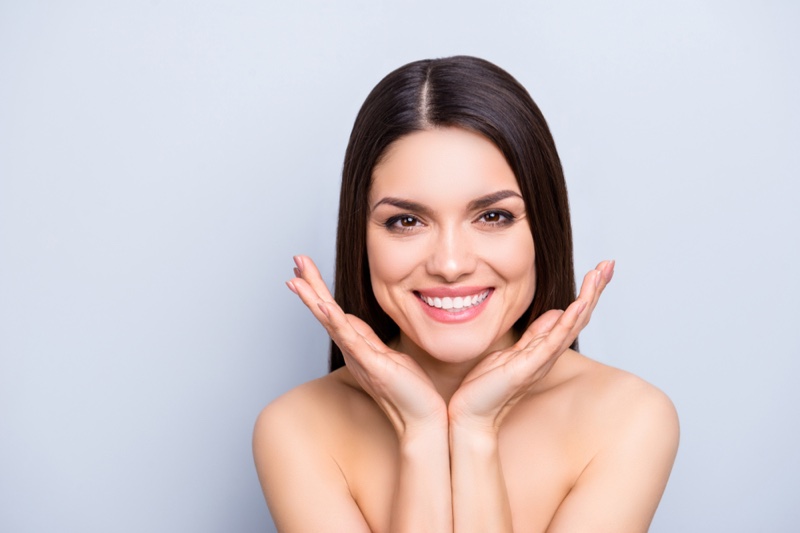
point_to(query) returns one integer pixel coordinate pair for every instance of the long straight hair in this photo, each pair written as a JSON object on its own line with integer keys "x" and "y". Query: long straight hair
{"x": 474, "y": 94}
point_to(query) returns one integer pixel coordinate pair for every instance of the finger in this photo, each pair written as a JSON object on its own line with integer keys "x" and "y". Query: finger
{"x": 539, "y": 327}
{"x": 594, "y": 284}
{"x": 363, "y": 350}
{"x": 309, "y": 297}
{"x": 547, "y": 338}
{"x": 307, "y": 270}
{"x": 354, "y": 343}
{"x": 565, "y": 330}
{"x": 310, "y": 273}
{"x": 367, "y": 332}
{"x": 560, "y": 329}
{"x": 606, "y": 269}
{"x": 547, "y": 320}
{"x": 346, "y": 337}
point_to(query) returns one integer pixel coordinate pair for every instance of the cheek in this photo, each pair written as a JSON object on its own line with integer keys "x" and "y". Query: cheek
{"x": 389, "y": 261}
{"x": 514, "y": 259}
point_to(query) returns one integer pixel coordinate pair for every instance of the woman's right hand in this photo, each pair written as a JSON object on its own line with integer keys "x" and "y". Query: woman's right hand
{"x": 395, "y": 381}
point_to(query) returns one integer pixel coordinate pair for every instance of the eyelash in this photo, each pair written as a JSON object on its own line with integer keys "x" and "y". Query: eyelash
{"x": 392, "y": 224}
{"x": 508, "y": 217}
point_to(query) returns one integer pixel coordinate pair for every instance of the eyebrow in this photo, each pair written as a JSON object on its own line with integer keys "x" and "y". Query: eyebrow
{"x": 493, "y": 198}
{"x": 406, "y": 205}
{"x": 478, "y": 203}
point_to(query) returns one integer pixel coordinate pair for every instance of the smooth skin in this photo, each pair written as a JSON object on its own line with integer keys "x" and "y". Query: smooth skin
{"x": 461, "y": 427}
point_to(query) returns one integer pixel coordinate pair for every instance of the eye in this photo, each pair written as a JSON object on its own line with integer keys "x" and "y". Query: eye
{"x": 402, "y": 223}
{"x": 493, "y": 216}
{"x": 496, "y": 217}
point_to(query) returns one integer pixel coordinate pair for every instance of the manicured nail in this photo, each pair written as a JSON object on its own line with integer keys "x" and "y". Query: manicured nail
{"x": 299, "y": 262}
{"x": 581, "y": 307}
{"x": 597, "y": 278}
{"x": 611, "y": 271}
{"x": 291, "y": 287}
{"x": 324, "y": 309}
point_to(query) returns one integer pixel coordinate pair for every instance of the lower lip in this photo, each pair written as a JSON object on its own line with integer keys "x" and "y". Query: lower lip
{"x": 454, "y": 317}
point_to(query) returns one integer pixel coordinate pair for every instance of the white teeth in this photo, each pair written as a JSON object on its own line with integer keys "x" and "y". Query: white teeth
{"x": 456, "y": 304}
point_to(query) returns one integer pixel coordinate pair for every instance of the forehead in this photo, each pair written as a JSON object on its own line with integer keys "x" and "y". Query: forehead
{"x": 440, "y": 165}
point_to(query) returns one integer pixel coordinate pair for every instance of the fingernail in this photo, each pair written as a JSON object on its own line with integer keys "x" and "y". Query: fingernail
{"x": 597, "y": 278}
{"x": 296, "y": 272}
{"x": 611, "y": 271}
{"x": 291, "y": 287}
{"x": 299, "y": 262}
{"x": 581, "y": 307}
{"x": 323, "y": 309}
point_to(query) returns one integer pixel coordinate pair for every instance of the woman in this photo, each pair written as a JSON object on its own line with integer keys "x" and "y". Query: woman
{"x": 456, "y": 400}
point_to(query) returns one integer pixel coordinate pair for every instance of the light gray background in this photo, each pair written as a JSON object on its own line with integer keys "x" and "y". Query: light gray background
{"x": 161, "y": 161}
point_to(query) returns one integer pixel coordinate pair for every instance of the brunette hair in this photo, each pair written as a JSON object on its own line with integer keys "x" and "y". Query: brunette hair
{"x": 474, "y": 94}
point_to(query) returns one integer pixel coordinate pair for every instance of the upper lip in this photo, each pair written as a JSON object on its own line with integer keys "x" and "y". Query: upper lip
{"x": 452, "y": 292}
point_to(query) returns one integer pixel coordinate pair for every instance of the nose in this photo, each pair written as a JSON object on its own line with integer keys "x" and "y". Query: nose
{"x": 451, "y": 256}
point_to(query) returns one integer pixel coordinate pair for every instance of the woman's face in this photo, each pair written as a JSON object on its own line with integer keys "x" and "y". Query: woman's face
{"x": 451, "y": 255}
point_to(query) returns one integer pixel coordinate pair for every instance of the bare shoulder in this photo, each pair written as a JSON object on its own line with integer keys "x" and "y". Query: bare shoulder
{"x": 619, "y": 401}
{"x": 315, "y": 414}
{"x": 632, "y": 431}
{"x": 294, "y": 446}
{"x": 313, "y": 402}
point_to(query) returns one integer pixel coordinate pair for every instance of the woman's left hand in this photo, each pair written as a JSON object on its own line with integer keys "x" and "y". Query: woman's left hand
{"x": 504, "y": 377}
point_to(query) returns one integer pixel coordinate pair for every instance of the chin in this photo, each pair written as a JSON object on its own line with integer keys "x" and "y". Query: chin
{"x": 457, "y": 349}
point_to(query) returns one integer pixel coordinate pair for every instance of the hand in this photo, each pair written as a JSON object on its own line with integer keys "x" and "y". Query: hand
{"x": 504, "y": 377}
{"x": 395, "y": 381}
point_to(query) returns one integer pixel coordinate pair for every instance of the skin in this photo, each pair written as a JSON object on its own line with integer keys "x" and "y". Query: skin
{"x": 461, "y": 425}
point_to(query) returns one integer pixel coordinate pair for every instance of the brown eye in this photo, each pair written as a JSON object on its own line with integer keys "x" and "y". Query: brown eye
{"x": 496, "y": 218}
{"x": 403, "y": 223}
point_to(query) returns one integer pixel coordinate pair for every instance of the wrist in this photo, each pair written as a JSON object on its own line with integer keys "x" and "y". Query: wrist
{"x": 419, "y": 438}
{"x": 467, "y": 423}
{"x": 473, "y": 437}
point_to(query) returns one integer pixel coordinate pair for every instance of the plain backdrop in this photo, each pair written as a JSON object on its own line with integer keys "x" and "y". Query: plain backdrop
{"x": 161, "y": 161}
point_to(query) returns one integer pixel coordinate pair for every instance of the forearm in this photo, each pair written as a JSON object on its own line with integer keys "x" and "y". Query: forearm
{"x": 480, "y": 498}
{"x": 423, "y": 501}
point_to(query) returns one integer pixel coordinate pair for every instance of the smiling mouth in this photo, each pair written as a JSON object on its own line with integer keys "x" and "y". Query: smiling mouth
{"x": 458, "y": 303}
